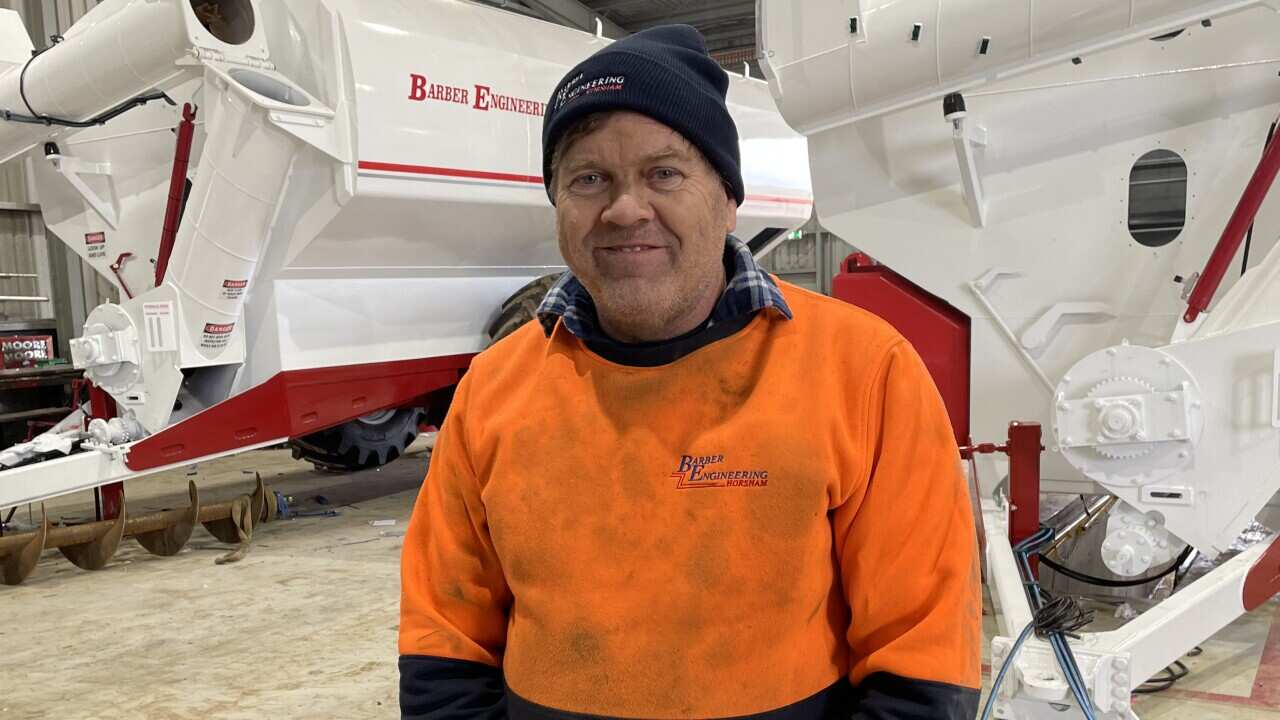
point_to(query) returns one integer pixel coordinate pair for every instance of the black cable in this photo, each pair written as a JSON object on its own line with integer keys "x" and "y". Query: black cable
{"x": 35, "y": 118}
{"x": 1160, "y": 683}
{"x": 1134, "y": 582}
{"x": 1171, "y": 675}
{"x": 1038, "y": 599}
{"x": 1061, "y": 614}
{"x": 91, "y": 122}
{"x": 22, "y": 76}
{"x": 1181, "y": 574}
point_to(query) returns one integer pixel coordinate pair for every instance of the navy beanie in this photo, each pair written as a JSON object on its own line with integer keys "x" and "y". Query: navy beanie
{"x": 664, "y": 73}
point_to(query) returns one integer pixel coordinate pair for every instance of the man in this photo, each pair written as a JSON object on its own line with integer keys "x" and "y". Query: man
{"x": 688, "y": 490}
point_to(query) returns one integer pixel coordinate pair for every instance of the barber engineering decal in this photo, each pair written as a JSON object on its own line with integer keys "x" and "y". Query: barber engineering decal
{"x": 699, "y": 471}
{"x": 477, "y": 97}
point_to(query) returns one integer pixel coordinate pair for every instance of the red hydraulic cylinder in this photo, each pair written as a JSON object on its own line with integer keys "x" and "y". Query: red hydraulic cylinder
{"x": 1225, "y": 251}
{"x": 177, "y": 188}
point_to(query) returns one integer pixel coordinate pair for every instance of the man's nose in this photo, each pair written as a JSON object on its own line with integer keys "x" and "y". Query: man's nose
{"x": 628, "y": 207}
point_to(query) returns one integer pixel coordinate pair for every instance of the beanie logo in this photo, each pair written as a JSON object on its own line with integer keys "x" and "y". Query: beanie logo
{"x": 575, "y": 88}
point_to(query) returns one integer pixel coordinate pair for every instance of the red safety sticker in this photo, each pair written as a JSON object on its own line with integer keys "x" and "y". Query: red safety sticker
{"x": 216, "y": 335}
{"x": 95, "y": 245}
{"x": 233, "y": 289}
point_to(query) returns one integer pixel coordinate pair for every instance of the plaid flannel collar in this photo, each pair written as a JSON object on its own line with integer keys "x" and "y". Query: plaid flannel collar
{"x": 748, "y": 290}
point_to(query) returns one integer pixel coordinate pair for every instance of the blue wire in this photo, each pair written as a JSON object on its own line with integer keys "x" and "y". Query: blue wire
{"x": 1061, "y": 650}
{"x": 1004, "y": 667}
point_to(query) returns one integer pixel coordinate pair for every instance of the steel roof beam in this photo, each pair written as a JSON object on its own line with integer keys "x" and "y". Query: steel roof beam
{"x": 713, "y": 13}
{"x": 576, "y": 15}
{"x": 608, "y": 5}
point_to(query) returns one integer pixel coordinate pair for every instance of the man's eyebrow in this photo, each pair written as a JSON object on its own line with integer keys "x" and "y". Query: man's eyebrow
{"x": 579, "y": 164}
{"x": 670, "y": 152}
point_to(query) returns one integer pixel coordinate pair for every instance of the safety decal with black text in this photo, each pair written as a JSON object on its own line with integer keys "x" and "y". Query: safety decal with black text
{"x": 233, "y": 289}
{"x": 96, "y": 244}
{"x": 161, "y": 326}
{"x": 216, "y": 335}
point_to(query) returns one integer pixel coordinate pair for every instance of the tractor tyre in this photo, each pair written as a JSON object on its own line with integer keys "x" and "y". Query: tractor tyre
{"x": 369, "y": 441}
{"x": 520, "y": 308}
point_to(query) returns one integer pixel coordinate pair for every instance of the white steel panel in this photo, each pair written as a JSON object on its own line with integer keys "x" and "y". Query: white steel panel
{"x": 808, "y": 57}
{"x": 83, "y": 471}
{"x": 15, "y": 43}
{"x": 400, "y": 314}
{"x": 890, "y": 71}
{"x": 1056, "y": 26}
{"x": 890, "y": 63}
{"x": 1062, "y": 141}
{"x": 961, "y": 29}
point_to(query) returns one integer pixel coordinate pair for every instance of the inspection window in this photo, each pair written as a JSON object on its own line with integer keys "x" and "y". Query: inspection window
{"x": 231, "y": 21}
{"x": 1157, "y": 198}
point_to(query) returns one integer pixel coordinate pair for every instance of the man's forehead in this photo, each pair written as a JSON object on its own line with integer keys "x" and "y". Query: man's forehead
{"x": 630, "y": 136}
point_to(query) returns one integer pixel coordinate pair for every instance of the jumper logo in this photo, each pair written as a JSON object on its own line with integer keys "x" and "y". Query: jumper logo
{"x": 572, "y": 90}
{"x": 692, "y": 473}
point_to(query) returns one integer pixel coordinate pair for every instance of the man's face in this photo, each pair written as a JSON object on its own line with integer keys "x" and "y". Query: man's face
{"x": 641, "y": 218}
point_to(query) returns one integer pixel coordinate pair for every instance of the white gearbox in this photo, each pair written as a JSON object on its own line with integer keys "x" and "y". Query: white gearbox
{"x": 1128, "y": 416}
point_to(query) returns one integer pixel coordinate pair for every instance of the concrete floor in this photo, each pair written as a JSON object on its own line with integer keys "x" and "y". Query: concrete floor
{"x": 305, "y": 625}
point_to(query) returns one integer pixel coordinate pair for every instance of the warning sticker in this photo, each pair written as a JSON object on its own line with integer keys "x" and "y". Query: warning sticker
{"x": 216, "y": 335}
{"x": 233, "y": 289}
{"x": 162, "y": 333}
{"x": 96, "y": 242}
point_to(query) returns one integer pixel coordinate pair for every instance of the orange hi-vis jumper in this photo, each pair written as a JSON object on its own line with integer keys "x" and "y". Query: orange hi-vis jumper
{"x": 774, "y": 516}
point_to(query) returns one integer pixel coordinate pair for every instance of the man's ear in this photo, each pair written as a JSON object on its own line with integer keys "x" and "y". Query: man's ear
{"x": 731, "y": 211}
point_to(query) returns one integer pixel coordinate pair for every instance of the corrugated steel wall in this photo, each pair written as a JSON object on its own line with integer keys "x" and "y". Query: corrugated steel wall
{"x": 13, "y": 185}
{"x": 810, "y": 260}
{"x": 20, "y": 253}
{"x": 18, "y": 238}
{"x": 66, "y": 12}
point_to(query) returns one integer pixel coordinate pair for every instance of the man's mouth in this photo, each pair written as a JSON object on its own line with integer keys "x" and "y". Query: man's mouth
{"x": 631, "y": 248}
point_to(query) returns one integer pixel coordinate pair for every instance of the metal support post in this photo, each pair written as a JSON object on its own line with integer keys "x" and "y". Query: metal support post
{"x": 1023, "y": 448}
{"x": 108, "y": 498}
{"x": 1024, "y": 480}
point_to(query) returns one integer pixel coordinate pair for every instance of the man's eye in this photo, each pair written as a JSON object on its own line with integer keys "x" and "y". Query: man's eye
{"x": 666, "y": 177}
{"x": 587, "y": 180}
